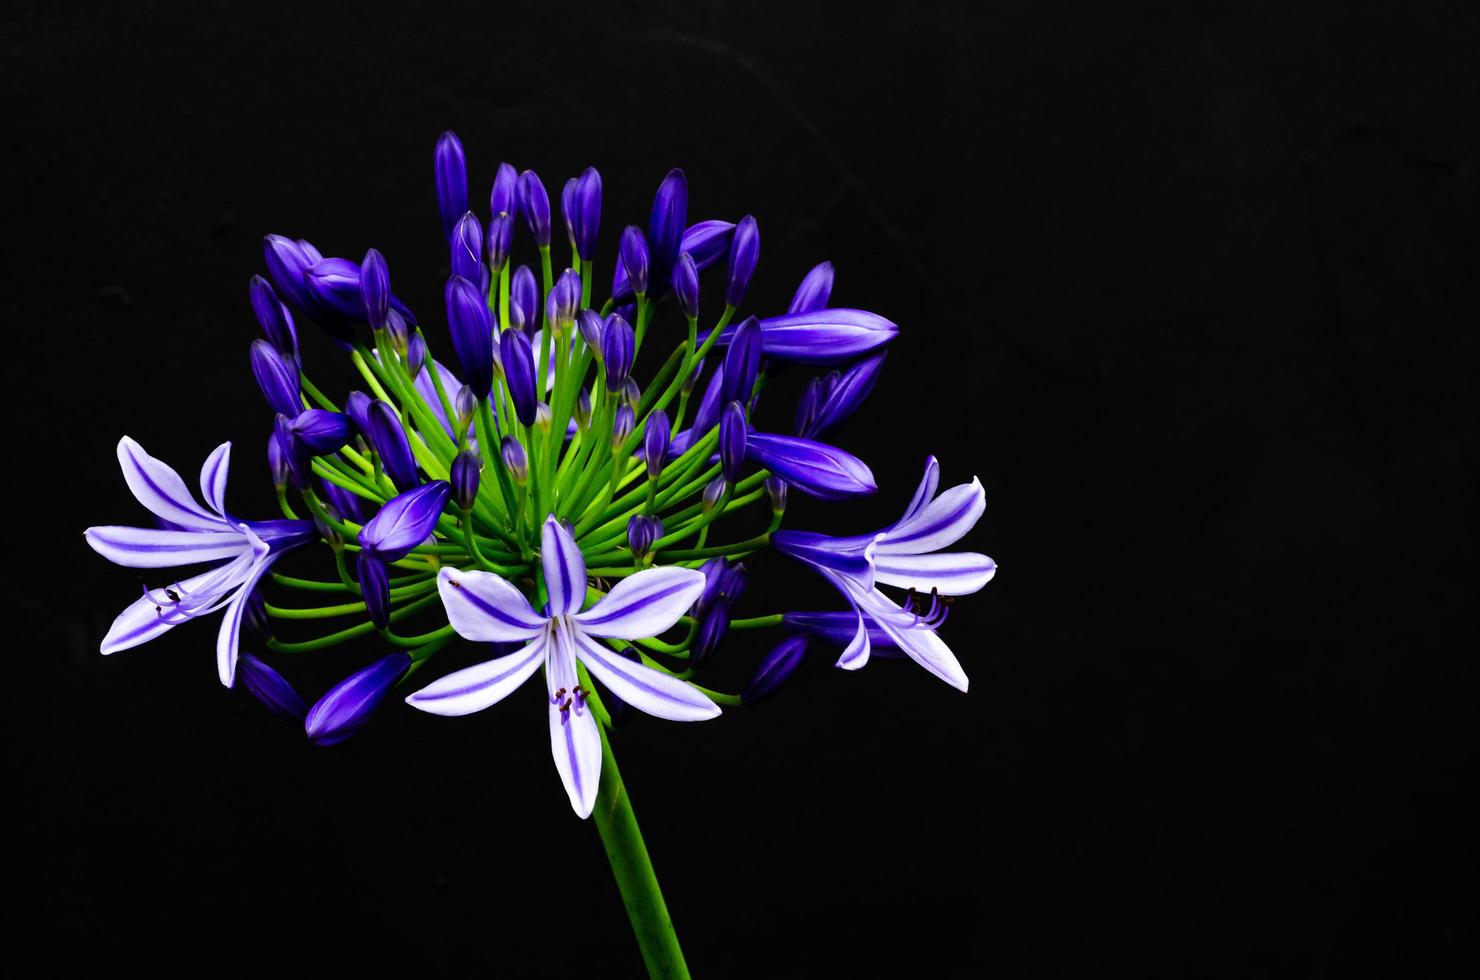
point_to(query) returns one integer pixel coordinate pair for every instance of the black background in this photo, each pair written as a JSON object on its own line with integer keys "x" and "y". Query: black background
{"x": 1192, "y": 291}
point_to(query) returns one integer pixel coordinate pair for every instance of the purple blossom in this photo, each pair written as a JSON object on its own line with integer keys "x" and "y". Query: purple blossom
{"x": 452, "y": 180}
{"x": 745, "y": 250}
{"x": 814, "y": 468}
{"x": 821, "y": 336}
{"x": 815, "y": 290}
{"x": 350, "y": 703}
{"x": 269, "y": 687}
{"x": 775, "y": 670}
{"x": 404, "y": 521}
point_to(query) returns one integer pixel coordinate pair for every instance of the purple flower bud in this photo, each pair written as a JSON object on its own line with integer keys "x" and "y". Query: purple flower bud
{"x": 524, "y": 295}
{"x": 404, "y": 521}
{"x": 320, "y": 432}
{"x": 344, "y": 502}
{"x": 518, "y": 360}
{"x": 745, "y": 250}
{"x": 290, "y": 457}
{"x": 326, "y": 521}
{"x": 687, "y": 388}
{"x": 472, "y": 333}
{"x": 534, "y": 202}
{"x": 807, "y": 407}
{"x": 714, "y": 492}
{"x": 742, "y": 363}
{"x": 276, "y": 321}
{"x": 278, "y": 458}
{"x": 466, "y": 250}
{"x": 268, "y": 686}
{"x": 655, "y": 436}
{"x": 707, "y": 242}
{"x": 565, "y": 297}
{"x": 588, "y": 322}
{"x": 815, "y": 290}
{"x": 544, "y": 418}
{"x": 617, "y": 342}
{"x": 568, "y": 209}
{"x": 504, "y": 199}
{"x": 255, "y": 619}
{"x": 277, "y": 376}
{"x": 829, "y": 336}
{"x": 334, "y": 284}
{"x": 416, "y": 354}
{"x": 666, "y": 224}
{"x": 814, "y": 468}
{"x": 846, "y": 394}
{"x": 583, "y": 409}
{"x": 375, "y": 589}
{"x": 712, "y": 629}
{"x": 399, "y": 333}
{"x": 452, "y": 180}
{"x": 389, "y": 440}
{"x": 776, "y": 490}
{"x": 775, "y": 670}
{"x": 632, "y": 251}
{"x": 286, "y": 264}
{"x": 686, "y": 285}
{"x": 707, "y": 414}
{"x": 623, "y": 423}
{"x": 464, "y": 473}
{"x": 348, "y": 705}
{"x": 716, "y": 574}
{"x": 500, "y": 241}
{"x": 465, "y": 404}
{"x": 642, "y": 531}
{"x": 375, "y": 289}
{"x": 357, "y": 407}
{"x": 515, "y": 460}
{"x": 732, "y": 440}
{"x": 632, "y": 394}
{"x": 586, "y": 220}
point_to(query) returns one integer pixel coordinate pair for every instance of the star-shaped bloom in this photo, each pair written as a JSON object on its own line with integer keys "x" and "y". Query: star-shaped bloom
{"x": 486, "y": 608}
{"x": 906, "y": 555}
{"x": 241, "y": 551}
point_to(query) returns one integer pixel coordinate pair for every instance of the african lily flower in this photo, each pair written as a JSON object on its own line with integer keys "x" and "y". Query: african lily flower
{"x": 486, "y": 608}
{"x": 241, "y": 550}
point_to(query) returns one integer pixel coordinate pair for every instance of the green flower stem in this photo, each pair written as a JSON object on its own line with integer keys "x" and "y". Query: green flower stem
{"x": 663, "y": 377}
{"x": 729, "y": 550}
{"x": 347, "y": 608}
{"x": 411, "y": 642}
{"x": 310, "y": 585}
{"x": 345, "y": 635}
{"x": 633, "y": 869}
{"x": 314, "y": 393}
{"x": 718, "y": 697}
{"x": 756, "y": 622}
{"x": 284, "y": 506}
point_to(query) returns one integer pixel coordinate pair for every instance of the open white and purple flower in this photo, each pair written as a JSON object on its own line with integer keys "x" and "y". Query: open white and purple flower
{"x": 906, "y": 555}
{"x": 242, "y": 552}
{"x": 484, "y": 607}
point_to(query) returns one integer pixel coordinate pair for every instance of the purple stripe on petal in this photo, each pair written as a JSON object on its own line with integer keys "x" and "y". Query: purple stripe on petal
{"x": 565, "y": 568}
{"x": 644, "y": 604}
{"x": 658, "y": 694}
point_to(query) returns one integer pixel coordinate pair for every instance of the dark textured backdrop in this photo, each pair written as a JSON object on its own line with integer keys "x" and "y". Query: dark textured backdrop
{"x": 1193, "y": 292}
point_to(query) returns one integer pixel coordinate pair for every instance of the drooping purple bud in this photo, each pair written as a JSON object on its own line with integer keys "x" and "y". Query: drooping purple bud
{"x": 278, "y": 459}
{"x": 465, "y": 404}
{"x": 375, "y": 589}
{"x": 742, "y": 363}
{"x": 269, "y": 687}
{"x": 807, "y": 407}
{"x": 504, "y": 198}
{"x": 632, "y": 251}
{"x": 714, "y": 492}
{"x": 515, "y": 460}
{"x": 452, "y": 180}
{"x": 534, "y": 203}
{"x": 399, "y": 333}
{"x": 617, "y": 342}
{"x": 586, "y": 220}
{"x": 320, "y": 431}
{"x": 348, "y": 504}
{"x": 276, "y": 321}
{"x": 416, "y": 354}
{"x": 472, "y": 333}
{"x": 814, "y": 291}
{"x": 817, "y": 469}
{"x": 565, "y": 297}
{"x": 642, "y": 531}
{"x": 687, "y": 388}
{"x": 775, "y": 670}
{"x": 524, "y": 294}
{"x": 518, "y": 360}
{"x": 350, "y": 703}
{"x": 745, "y": 250}
{"x": 623, "y": 423}
{"x": 287, "y": 261}
{"x": 666, "y": 224}
{"x": 375, "y": 289}
{"x": 500, "y": 241}
{"x": 293, "y": 455}
{"x": 588, "y": 322}
{"x": 655, "y": 435}
{"x": 732, "y": 441}
{"x": 389, "y": 440}
{"x": 466, "y": 250}
{"x": 568, "y": 209}
{"x": 776, "y": 490}
{"x": 404, "y": 521}
{"x": 583, "y": 409}
{"x": 686, "y": 285}
{"x": 464, "y": 473}
{"x": 828, "y": 336}
{"x": 277, "y": 376}
{"x": 357, "y": 407}
{"x": 631, "y": 393}
{"x": 716, "y": 575}
{"x": 712, "y": 629}
{"x": 846, "y": 394}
